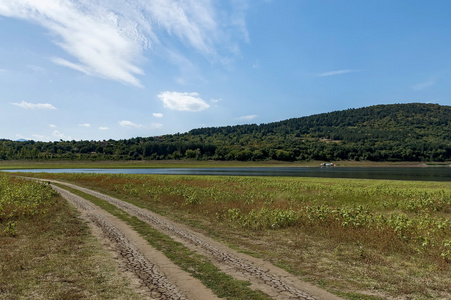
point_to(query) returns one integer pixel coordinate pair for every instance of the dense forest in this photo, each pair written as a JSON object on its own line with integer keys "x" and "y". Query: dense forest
{"x": 398, "y": 132}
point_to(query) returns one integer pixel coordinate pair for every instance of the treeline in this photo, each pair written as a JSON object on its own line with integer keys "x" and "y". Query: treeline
{"x": 399, "y": 132}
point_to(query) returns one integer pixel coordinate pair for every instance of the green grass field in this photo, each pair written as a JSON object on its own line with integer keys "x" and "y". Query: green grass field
{"x": 361, "y": 239}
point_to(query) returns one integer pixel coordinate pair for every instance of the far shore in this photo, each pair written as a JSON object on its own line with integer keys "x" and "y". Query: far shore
{"x": 111, "y": 164}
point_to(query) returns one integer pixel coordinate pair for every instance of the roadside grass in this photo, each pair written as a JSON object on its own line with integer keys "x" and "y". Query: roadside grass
{"x": 223, "y": 285}
{"x": 373, "y": 239}
{"x": 50, "y": 254}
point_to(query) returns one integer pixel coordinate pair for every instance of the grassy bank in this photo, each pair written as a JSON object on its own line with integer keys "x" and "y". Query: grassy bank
{"x": 47, "y": 252}
{"x": 362, "y": 239}
{"x": 110, "y": 164}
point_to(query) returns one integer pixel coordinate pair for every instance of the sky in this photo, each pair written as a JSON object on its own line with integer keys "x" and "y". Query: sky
{"x": 118, "y": 69}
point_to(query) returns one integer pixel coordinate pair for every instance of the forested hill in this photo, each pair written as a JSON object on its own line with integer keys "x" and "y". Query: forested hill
{"x": 398, "y": 132}
{"x": 391, "y": 122}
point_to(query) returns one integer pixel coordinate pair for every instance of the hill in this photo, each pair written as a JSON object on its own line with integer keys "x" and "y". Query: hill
{"x": 397, "y": 132}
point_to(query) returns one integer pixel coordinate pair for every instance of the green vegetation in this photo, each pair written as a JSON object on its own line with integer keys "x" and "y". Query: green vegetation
{"x": 47, "y": 252}
{"x": 368, "y": 237}
{"x": 200, "y": 267}
{"x": 399, "y": 132}
{"x": 21, "y": 199}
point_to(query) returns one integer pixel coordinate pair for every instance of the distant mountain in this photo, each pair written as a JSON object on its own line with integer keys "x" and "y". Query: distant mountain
{"x": 393, "y": 121}
{"x": 396, "y": 132}
{"x": 21, "y": 140}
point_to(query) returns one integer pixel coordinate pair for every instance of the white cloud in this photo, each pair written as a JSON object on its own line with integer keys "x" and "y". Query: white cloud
{"x": 60, "y": 135}
{"x": 156, "y": 126}
{"x": 337, "y": 72}
{"x": 247, "y": 118}
{"x": 183, "y": 101}
{"x": 108, "y": 38}
{"x": 65, "y": 63}
{"x": 103, "y": 128}
{"x": 423, "y": 85}
{"x": 85, "y": 125}
{"x": 103, "y": 44}
{"x": 39, "y": 137}
{"x": 37, "y": 69}
{"x": 215, "y": 100}
{"x": 28, "y": 105}
{"x": 129, "y": 124}
{"x": 158, "y": 115}
{"x": 52, "y": 125}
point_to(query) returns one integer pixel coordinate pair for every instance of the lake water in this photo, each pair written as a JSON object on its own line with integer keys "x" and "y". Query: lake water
{"x": 391, "y": 173}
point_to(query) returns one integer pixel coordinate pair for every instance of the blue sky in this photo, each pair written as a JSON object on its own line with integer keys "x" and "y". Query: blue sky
{"x": 116, "y": 69}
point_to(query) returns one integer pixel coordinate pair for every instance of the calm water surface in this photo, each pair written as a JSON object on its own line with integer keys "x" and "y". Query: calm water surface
{"x": 396, "y": 173}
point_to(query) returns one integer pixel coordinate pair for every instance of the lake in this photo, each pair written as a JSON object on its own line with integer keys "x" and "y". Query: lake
{"x": 390, "y": 173}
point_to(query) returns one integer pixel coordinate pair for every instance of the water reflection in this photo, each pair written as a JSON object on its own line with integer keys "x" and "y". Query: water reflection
{"x": 392, "y": 173}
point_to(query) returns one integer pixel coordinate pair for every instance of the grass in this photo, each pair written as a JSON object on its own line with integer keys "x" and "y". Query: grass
{"x": 27, "y": 164}
{"x": 358, "y": 238}
{"x": 51, "y": 254}
{"x": 222, "y": 285}
{"x": 111, "y": 164}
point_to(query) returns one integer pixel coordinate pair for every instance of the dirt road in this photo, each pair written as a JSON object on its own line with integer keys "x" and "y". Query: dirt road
{"x": 163, "y": 279}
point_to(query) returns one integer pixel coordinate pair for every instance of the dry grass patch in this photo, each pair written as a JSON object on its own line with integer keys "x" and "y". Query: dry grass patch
{"x": 53, "y": 256}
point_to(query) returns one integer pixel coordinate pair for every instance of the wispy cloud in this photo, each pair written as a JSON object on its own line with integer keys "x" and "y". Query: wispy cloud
{"x": 247, "y": 118}
{"x": 103, "y": 128}
{"x": 157, "y": 115}
{"x": 256, "y": 65}
{"x": 337, "y": 72}
{"x": 183, "y": 101}
{"x": 60, "y": 135}
{"x": 129, "y": 124}
{"x": 85, "y": 125}
{"x": 52, "y": 125}
{"x": 35, "y": 68}
{"x": 423, "y": 85}
{"x": 108, "y": 38}
{"x": 39, "y": 137}
{"x": 28, "y": 105}
{"x": 156, "y": 126}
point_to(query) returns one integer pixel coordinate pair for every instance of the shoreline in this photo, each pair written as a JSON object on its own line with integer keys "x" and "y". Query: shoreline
{"x": 62, "y": 164}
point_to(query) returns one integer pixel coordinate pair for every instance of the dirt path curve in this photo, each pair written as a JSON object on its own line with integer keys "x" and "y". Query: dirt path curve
{"x": 158, "y": 276}
{"x": 264, "y": 276}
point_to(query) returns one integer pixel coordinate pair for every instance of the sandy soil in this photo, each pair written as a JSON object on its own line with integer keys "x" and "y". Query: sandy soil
{"x": 164, "y": 280}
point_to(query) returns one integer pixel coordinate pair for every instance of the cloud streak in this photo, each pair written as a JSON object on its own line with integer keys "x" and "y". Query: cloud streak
{"x": 337, "y": 72}
{"x": 423, "y": 85}
{"x": 108, "y": 39}
{"x": 183, "y": 101}
{"x": 28, "y": 105}
{"x": 247, "y": 118}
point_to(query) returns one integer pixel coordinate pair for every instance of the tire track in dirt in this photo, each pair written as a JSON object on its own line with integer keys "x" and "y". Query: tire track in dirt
{"x": 272, "y": 280}
{"x": 161, "y": 278}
